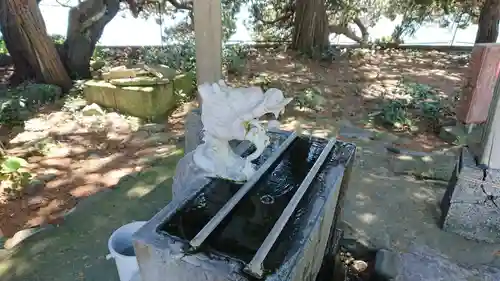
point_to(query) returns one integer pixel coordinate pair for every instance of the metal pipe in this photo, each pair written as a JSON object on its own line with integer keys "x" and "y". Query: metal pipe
{"x": 224, "y": 211}
{"x": 255, "y": 267}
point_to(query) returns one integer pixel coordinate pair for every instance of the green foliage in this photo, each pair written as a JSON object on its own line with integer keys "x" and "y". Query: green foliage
{"x": 17, "y": 104}
{"x": 3, "y": 48}
{"x": 414, "y": 102}
{"x": 310, "y": 98}
{"x": 235, "y": 58}
{"x": 13, "y": 176}
{"x": 13, "y": 110}
{"x": 388, "y": 41}
{"x": 98, "y": 54}
{"x": 58, "y": 39}
{"x": 272, "y": 20}
{"x": 180, "y": 56}
{"x": 395, "y": 113}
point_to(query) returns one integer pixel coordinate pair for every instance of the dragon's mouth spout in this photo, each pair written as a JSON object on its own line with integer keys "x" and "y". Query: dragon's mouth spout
{"x": 233, "y": 114}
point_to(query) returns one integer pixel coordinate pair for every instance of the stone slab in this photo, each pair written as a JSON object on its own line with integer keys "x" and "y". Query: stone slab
{"x": 437, "y": 165}
{"x": 471, "y": 204}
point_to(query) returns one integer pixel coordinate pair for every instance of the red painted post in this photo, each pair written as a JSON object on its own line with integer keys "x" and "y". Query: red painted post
{"x": 480, "y": 81}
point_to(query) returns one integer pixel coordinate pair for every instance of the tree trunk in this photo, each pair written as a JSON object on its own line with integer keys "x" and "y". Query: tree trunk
{"x": 85, "y": 26}
{"x": 10, "y": 32}
{"x": 310, "y": 34}
{"x": 489, "y": 19}
{"x": 30, "y": 46}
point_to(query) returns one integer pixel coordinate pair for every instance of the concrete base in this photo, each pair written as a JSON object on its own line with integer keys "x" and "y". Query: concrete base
{"x": 193, "y": 130}
{"x": 471, "y": 204}
{"x": 163, "y": 257}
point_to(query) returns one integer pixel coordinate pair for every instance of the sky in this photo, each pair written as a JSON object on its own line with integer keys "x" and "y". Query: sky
{"x": 124, "y": 30}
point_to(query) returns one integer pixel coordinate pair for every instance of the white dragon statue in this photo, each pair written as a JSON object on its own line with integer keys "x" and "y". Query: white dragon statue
{"x": 232, "y": 114}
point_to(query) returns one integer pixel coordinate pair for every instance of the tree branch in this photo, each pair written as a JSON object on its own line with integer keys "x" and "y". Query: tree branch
{"x": 289, "y": 11}
{"x": 344, "y": 30}
{"x": 182, "y": 5}
{"x": 363, "y": 29}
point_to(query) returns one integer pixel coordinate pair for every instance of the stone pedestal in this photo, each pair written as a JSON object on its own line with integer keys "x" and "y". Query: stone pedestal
{"x": 481, "y": 77}
{"x": 164, "y": 254}
{"x": 471, "y": 204}
{"x": 193, "y": 135}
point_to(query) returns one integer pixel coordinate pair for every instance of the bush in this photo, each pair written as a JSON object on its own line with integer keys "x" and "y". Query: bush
{"x": 13, "y": 176}
{"x": 18, "y": 103}
{"x": 415, "y": 102}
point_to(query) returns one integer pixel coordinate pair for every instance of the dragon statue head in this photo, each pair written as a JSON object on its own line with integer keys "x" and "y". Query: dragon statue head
{"x": 227, "y": 114}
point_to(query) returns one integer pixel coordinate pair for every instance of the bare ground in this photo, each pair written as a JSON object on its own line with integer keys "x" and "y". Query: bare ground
{"x": 90, "y": 154}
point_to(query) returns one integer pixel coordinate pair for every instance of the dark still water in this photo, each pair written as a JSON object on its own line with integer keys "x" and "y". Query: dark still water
{"x": 242, "y": 232}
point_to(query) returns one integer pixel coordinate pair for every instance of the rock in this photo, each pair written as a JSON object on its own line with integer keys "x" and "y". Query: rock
{"x": 153, "y": 128}
{"x": 359, "y": 266}
{"x": 33, "y": 187}
{"x": 356, "y": 248}
{"x": 47, "y": 177}
{"x": 96, "y": 65}
{"x": 36, "y": 125}
{"x": 161, "y": 71}
{"x": 67, "y": 128}
{"x": 59, "y": 117}
{"x": 58, "y": 152}
{"x": 73, "y": 105}
{"x": 117, "y": 124}
{"x": 118, "y": 73}
{"x": 20, "y": 236}
{"x": 35, "y": 201}
{"x": 92, "y": 110}
{"x": 387, "y": 264}
{"x": 29, "y": 137}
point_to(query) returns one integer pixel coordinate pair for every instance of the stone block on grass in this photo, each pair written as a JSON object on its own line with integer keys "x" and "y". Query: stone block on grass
{"x": 141, "y": 101}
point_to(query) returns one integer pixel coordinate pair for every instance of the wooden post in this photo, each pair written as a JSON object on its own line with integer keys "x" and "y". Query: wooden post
{"x": 208, "y": 34}
{"x": 208, "y": 39}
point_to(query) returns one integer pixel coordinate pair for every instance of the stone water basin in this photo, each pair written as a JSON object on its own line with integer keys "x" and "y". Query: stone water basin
{"x": 165, "y": 245}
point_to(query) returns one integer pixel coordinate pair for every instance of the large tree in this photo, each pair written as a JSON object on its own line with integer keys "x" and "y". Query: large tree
{"x": 274, "y": 19}
{"x": 86, "y": 23}
{"x": 310, "y": 27}
{"x": 32, "y": 51}
{"x": 489, "y": 19}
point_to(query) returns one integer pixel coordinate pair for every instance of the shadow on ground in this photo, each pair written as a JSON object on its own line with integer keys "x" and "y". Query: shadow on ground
{"x": 77, "y": 250}
{"x": 390, "y": 211}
